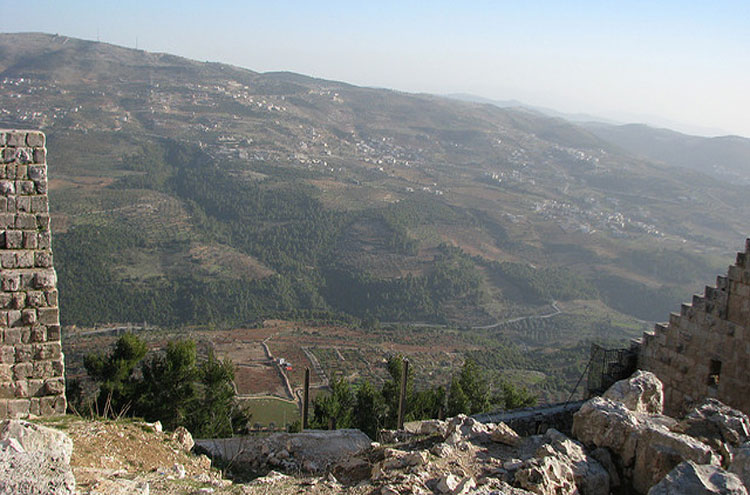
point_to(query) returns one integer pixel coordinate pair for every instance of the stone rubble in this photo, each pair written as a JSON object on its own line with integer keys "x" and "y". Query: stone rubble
{"x": 620, "y": 444}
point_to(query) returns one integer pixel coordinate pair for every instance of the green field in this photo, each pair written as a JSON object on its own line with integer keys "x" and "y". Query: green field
{"x": 267, "y": 410}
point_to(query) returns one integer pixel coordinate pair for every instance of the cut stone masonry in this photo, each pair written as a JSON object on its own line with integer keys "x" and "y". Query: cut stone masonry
{"x": 704, "y": 351}
{"x": 31, "y": 360}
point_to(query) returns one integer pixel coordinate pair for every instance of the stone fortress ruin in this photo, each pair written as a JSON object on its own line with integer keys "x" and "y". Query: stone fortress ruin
{"x": 31, "y": 360}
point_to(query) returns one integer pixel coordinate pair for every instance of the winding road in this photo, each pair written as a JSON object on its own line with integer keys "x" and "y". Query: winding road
{"x": 557, "y": 311}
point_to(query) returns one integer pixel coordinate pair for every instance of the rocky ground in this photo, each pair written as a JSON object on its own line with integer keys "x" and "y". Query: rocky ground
{"x": 620, "y": 444}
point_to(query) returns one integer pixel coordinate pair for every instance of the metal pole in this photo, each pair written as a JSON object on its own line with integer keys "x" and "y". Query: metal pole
{"x": 305, "y": 396}
{"x": 402, "y": 396}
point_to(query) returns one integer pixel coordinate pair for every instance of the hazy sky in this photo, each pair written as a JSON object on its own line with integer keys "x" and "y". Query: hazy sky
{"x": 683, "y": 64}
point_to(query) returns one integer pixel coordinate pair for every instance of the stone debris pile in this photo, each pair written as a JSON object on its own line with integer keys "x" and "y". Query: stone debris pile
{"x": 621, "y": 443}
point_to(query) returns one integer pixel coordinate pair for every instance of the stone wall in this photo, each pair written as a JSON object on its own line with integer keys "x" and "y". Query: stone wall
{"x": 31, "y": 360}
{"x": 536, "y": 420}
{"x": 704, "y": 351}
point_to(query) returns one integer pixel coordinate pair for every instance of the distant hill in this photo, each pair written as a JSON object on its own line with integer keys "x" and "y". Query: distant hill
{"x": 549, "y": 112}
{"x": 725, "y": 157}
{"x": 207, "y": 192}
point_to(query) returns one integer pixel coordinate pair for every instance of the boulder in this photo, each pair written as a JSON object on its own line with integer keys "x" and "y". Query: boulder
{"x": 741, "y": 463}
{"x": 547, "y": 476}
{"x": 36, "y": 438}
{"x": 694, "y": 479}
{"x": 502, "y": 433}
{"x": 643, "y": 392}
{"x": 427, "y": 427}
{"x": 447, "y": 484}
{"x": 463, "y": 427}
{"x": 353, "y": 470}
{"x": 643, "y": 446}
{"x": 604, "y": 423}
{"x": 660, "y": 450}
{"x": 590, "y": 476}
{"x": 34, "y": 460}
{"x": 183, "y": 438}
{"x": 714, "y": 422}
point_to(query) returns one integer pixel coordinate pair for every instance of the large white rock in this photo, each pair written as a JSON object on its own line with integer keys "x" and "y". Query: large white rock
{"x": 34, "y": 460}
{"x": 642, "y": 392}
{"x": 689, "y": 478}
{"x": 590, "y": 476}
{"x": 183, "y": 437}
{"x": 604, "y": 423}
{"x": 643, "y": 444}
{"x": 36, "y": 438}
{"x": 466, "y": 428}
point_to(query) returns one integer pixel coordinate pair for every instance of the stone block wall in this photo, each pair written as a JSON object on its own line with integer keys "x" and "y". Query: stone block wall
{"x": 704, "y": 350}
{"x": 31, "y": 360}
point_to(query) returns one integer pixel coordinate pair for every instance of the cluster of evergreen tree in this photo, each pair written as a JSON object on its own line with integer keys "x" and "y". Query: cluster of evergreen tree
{"x": 172, "y": 387}
{"x": 369, "y": 409}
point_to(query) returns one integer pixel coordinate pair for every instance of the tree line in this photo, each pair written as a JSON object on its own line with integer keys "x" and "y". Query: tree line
{"x": 370, "y": 409}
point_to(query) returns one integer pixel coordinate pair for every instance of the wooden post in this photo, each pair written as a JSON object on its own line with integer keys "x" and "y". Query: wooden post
{"x": 402, "y": 396}
{"x": 305, "y": 397}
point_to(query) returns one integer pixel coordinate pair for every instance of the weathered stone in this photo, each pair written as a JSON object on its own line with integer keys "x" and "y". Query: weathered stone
{"x": 603, "y": 423}
{"x": 426, "y": 427}
{"x": 35, "y": 139}
{"x": 713, "y": 420}
{"x": 547, "y": 476}
{"x": 33, "y": 473}
{"x": 741, "y": 463}
{"x": 502, "y": 433}
{"x": 691, "y": 478}
{"x": 36, "y": 438}
{"x": 463, "y": 427}
{"x": 660, "y": 450}
{"x": 447, "y": 484}
{"x": 351, "y": 471}
{"x": 183, "y": 438}
{"x": 590, "y": 476}
{"x": 642, "y": 444}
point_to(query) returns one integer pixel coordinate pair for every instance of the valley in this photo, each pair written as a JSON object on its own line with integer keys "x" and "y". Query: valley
{"x": 351, "y": 223}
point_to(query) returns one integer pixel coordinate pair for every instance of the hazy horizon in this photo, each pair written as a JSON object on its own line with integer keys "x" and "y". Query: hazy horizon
{"x": 676, "y": 65}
